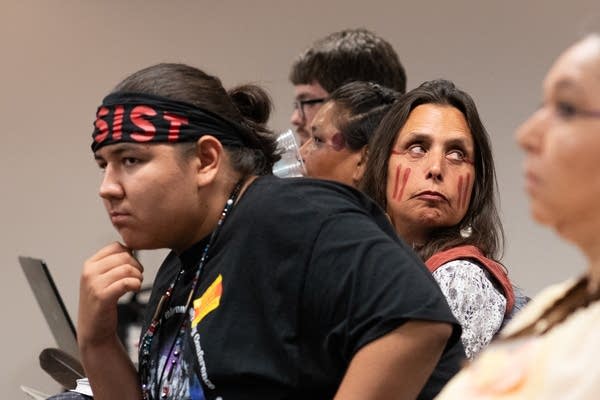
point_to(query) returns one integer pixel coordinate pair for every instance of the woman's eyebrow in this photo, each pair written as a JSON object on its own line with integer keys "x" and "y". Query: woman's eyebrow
{"x": 567, "y": 85}
{"x": 418, "y": 135}
{"x": 458, "y": 142}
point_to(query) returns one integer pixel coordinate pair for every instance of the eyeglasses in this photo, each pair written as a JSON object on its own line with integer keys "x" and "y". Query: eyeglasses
{"x": 300, "y": 104}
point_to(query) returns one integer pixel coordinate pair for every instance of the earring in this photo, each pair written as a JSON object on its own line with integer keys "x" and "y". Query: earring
{"x": 388, "y": 217}
{"x": 466, "y": 231}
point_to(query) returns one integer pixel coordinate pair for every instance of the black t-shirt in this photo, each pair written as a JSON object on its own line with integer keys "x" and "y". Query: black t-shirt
{"x": 302, "y": 274}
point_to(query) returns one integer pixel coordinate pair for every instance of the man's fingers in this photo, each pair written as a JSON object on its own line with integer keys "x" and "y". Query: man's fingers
{"x": 114, "y": 247}
{"x": 98, "y": 282}
{"x": 118, "y": 288}
{"x": 122, "y": 286}
{"x": 107, "y": 288}
{"x": 120, "y": 272}
{"x": 111, "y": 261}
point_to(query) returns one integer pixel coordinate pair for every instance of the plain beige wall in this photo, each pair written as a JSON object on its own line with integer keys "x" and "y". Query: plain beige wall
{"x": 59, "y": 58}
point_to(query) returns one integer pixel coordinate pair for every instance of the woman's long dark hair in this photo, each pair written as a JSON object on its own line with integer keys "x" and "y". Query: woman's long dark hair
{"x": 482, "y": 215}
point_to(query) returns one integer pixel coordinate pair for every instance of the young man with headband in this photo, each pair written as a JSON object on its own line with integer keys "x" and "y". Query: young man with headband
{"x": 274, "y": 288}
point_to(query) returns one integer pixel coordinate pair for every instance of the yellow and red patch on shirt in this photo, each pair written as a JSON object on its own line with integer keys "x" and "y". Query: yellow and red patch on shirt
{"x": 209, "y": 300}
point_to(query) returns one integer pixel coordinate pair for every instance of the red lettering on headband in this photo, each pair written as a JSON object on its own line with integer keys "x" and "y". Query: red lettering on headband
{"x": 117, "y": 130}
{"x": 175, "y": 125}
{"x": 101, "y": 125}
{"x": 137, "y": 118}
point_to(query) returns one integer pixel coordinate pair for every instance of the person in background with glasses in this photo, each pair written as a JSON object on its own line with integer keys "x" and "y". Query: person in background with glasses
{"x": 341, "y": 57}
{"x": 273, "y": 289}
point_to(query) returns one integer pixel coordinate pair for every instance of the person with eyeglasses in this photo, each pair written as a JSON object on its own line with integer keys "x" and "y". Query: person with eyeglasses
{"x": 273, "y": 289}
{"x": 340, "y": 132}
{"x": 339, "y": 58}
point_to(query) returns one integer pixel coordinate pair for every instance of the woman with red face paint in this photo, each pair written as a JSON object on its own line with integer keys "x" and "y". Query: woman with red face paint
{"x": 551, "y": 349}
{"x": 274, "y": 288}
{"x": 430, "y": 167}
{"x": 341, "y": 130}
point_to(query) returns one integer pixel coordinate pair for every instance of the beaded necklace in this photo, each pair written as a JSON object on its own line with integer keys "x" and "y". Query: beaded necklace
{"x": 149, "y": 334}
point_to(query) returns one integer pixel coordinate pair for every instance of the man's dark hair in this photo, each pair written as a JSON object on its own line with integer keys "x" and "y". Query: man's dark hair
{"x": 482, "y": 215}
{"x": 248, "y": 105}
{"x": 346, "y": 56}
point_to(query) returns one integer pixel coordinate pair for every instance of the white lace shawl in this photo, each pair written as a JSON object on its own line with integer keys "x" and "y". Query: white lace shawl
{"x": 477, "y": 305}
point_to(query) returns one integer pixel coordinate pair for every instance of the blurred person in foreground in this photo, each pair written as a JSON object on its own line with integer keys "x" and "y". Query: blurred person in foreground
{"x": 551, "y": 349}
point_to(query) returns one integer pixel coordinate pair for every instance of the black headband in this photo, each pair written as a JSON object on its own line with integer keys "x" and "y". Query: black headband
{"x": 143, "y": 118}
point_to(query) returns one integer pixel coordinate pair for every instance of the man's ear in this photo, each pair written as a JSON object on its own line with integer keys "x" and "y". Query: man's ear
{"x": 209, "y": 153}
{"x": 359, "y": 171}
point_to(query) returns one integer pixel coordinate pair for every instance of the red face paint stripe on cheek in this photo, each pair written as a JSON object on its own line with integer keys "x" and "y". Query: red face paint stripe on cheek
{"x": 404, "y": 180}
{"x": 466, "y": 190}
{"x": 460, "y": 191}
{"x": 397, "y": 180}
